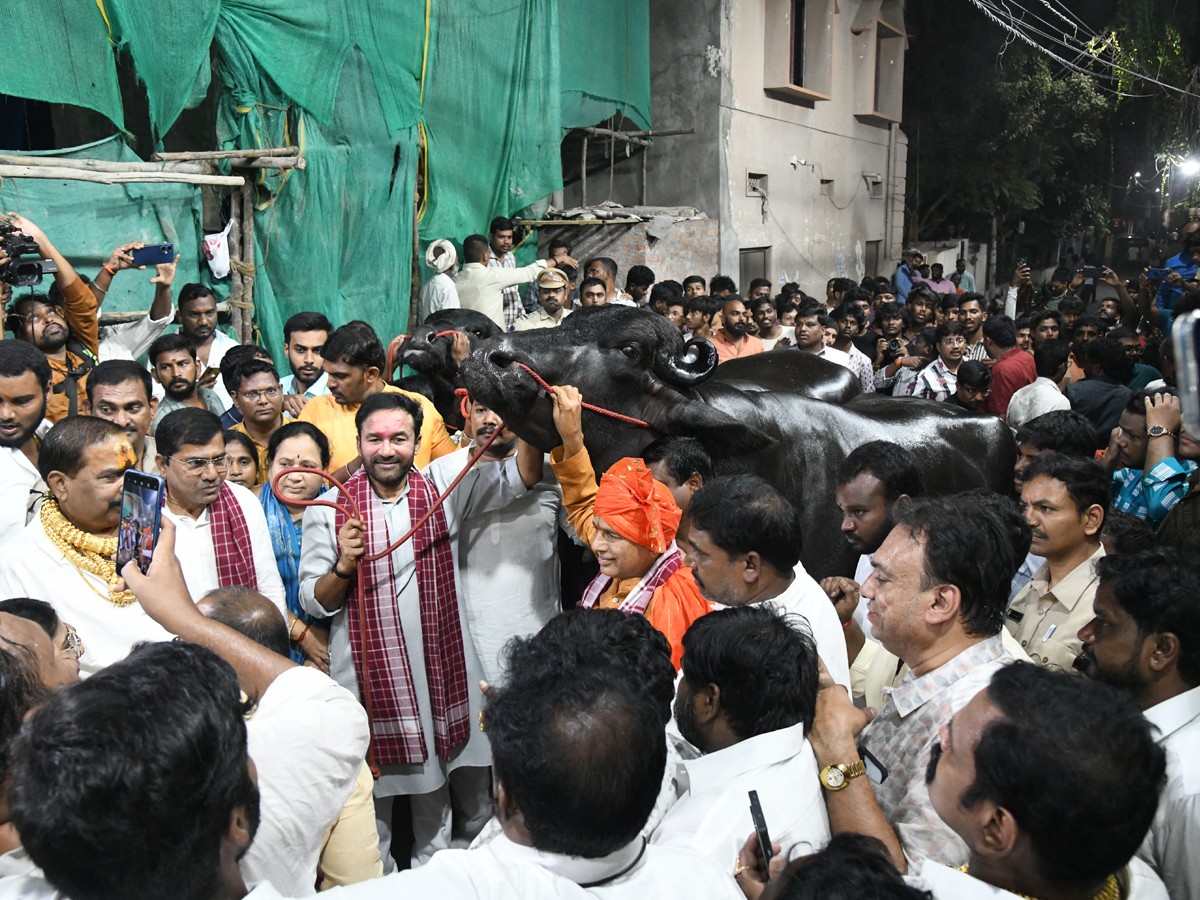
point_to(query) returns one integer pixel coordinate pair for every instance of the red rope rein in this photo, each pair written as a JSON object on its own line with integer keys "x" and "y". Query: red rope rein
{"x": 596, "y": 409}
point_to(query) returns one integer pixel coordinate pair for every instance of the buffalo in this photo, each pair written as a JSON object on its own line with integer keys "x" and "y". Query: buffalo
{"x": 430, "y": 356}
{"x": 636, "y": 363}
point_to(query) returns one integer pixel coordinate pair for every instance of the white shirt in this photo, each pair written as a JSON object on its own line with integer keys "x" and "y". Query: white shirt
{"x": 130, "y": 340}
{"x": 805, "y": 598}
{"x": 786, "y": 331}
{"x": 318, "y": 388}
{"x": 308, "y": 738}
{"x": 194, "y": 548}
{"x": 1029, "y": 402}
{"x": 946, "y": 883}
{"x": 713, "y": 815}
{"x": 1173, "y": 844}
{"x": 437, "y": 293}
{"x": 508, "y": 564}
{"x": 479, "y": 287}
{"x": 503, "y": 870}
{"x": 31, "y": 566}
{"x": 833, "y": 354}
{"x": 18, "y": 476}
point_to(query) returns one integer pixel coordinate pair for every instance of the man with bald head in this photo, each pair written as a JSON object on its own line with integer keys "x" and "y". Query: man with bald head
{"x": 731, "y": 339}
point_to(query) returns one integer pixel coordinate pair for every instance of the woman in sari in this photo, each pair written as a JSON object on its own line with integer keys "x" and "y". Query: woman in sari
{"x": 295, "y": 444}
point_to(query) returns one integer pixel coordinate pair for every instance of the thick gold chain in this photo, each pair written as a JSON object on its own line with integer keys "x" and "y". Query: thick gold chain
{"x": 85, "y": 552}
{"x": 1110, "y": 891}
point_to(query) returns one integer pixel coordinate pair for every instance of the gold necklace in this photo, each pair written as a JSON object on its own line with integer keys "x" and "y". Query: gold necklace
{"x": 1110, "y": 891}
{"x": 85, "y": 552}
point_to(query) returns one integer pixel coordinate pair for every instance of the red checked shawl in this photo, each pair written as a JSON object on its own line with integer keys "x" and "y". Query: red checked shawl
{"x": 231, "y": 541}
{"x": 381, "y": 662}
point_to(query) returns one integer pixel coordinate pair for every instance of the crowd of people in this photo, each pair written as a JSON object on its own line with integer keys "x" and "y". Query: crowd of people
{"x": 561, "y": 682}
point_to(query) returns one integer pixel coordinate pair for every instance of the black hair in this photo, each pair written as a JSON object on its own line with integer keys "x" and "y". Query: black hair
{"x": 20, "y": 691}
{"x": 756, "y": 283}
{"x": 64, "y": 445}
{"x": 387, "y": 400}
{"x": 113, "y": 372}
{"x": 949, "y": 303}
{"x": 186, "y": 426}
{"x": 810, "y": 308}
{"x": 973, "y": 297}
{"x": 18, "y": 357}
{"x": 474, "y": 247}
{"x": 298, "y": 429}
{"x": 250, "y": 614}
{"x": 1060, "y": 431}
{"x": 667, "y": 291}
{"x": 1049, "y": 357}
{"x": 642, "y": 647}
{"x": 240, "y": 437}
{"x": 249, "y": 369}
{"x": 1020, "y": 535}
{"x": 235, "y": 359}
{"x": 1041, "y": 315}
{"x": 1000, "y": 330}
{"x": 1086, "y": 482}
{"x": 743, "y": 514}
{"x": 108, "y": 791}
{"x": 170, "y": 343}
{"x": 1121, "y": 333}
{"x": 707, "y": 306}
{"x": 1136, "y": 403}
{"x": 970, "y": 548}
{"x": 722, "y": 283}
{"x": 355, "y": 344}
{"x": 683, "y": 456}
{"x": 848, "y": 309}
{"x": 974, "y": 374}
{"x": 1127, "y": 533}
{"x": 639, "y": 275}
{"x": 14, "y": 319}
{"x": 306, "y": 321}
{"x": 39, "y": 612}
{"x": 1085, "y": 820}
{"x": 851, "y": 866}
{"x": 194, "y": 291}
{"x": 889, "y": 310}
{"x": 894, "y": 467}
{"x": 1071, "y": 304}
{"x": 695, "y": 279}
{"x": 583, "y": 756}
{"x": 1108, "y": 354}
{"x": 591, "y": 282}
{"x": 500, "y": 223}
{"x": 763, "y": 660}
{"x": 558, "y": 242}
{"x": 1158, "y": 591}
{"x": 607, "y": 263}
{"x": 1023, "y": 322}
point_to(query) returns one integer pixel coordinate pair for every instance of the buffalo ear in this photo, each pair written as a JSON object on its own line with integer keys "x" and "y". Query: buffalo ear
{"x": 716, "y": 430}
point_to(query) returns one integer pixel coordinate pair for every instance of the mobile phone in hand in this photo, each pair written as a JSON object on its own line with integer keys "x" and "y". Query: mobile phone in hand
{"x": 153, "y": 255}
{"x": 141, "y": 518}
{"x": 760, "y": 828}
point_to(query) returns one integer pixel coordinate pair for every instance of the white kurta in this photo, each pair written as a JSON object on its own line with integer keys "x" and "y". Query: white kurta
{"x": 713, "y": 815}
{"x": 31, "y": 566}
{"x": 508, "y": 564}
{"x": 194, "y": 548}
{"x": 485, "y": 488}
{"x": 18, "y": 476}
{"x": 805, "y": 598}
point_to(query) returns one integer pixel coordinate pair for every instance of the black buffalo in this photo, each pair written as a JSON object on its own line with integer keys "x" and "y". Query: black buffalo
{"x": 636, "y": 363}
{"x": 430, "y": 356}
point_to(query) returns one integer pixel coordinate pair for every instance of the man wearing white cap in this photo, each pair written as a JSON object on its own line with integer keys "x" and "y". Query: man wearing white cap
{"x": 553, "y": 287}
{"x": 439, "y": 291}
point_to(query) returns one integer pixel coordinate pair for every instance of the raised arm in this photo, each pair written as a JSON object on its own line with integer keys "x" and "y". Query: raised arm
{"x": 120, "y": 258}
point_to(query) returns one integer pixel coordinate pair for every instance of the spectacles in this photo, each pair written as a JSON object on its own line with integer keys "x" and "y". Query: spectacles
{"x": 72, "y": 643}
{"x": 255, "y": 396}
{"x": 194, "y": 465}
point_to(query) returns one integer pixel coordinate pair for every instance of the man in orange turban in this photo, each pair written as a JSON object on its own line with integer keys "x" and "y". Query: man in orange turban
{"x": 630, "y": 523}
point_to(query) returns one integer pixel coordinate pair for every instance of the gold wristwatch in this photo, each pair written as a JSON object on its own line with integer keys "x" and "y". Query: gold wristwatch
{"x": 836, "y": 777}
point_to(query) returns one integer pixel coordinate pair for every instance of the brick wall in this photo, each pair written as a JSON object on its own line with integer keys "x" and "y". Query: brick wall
{"x": 688, "y": 248}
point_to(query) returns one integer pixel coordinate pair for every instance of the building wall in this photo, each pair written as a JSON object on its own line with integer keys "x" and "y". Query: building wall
{"x": 687, "y": 247}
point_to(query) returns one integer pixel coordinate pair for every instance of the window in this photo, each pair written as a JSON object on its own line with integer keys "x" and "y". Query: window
{"x": 754, "y": 262}
{"x": 871, "y": 253}
{"x": 798, "y": 53}
{"x": 879, "y": 42}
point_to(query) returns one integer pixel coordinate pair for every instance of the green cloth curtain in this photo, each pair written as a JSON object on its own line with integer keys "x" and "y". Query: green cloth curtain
{"x": 604, "y": 54}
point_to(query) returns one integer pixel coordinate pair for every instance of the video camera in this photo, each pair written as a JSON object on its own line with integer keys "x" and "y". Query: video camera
{"x": 19, "y": 270}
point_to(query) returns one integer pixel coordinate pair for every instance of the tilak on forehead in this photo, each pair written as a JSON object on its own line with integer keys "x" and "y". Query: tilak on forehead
{"x": 126, "y": 455}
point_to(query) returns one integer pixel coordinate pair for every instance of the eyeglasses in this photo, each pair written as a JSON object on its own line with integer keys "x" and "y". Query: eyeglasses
{"x": 194, "y": 465}
{"x": 72, "y": 643}
{"x": 255, "y": 396}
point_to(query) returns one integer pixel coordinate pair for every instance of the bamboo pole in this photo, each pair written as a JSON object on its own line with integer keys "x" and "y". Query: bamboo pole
{"x": 273, "y": 162}
{"x": 63, "y": 173}
{"x": 101, "y": 165}
{"x": 228, "y": 154}
{"x": 236, "y": 287}
{"x": 247, "y": 335}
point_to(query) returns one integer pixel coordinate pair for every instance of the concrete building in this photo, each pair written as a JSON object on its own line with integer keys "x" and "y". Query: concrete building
{"x": 796, "y": 150}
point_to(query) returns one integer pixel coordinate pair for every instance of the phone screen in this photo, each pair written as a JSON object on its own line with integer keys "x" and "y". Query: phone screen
{"x": 1186, "y": 337}
{"x": 141, "y": 518}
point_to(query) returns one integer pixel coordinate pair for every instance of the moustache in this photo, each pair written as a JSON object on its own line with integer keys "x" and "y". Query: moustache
{"x": 1084, "y": 662}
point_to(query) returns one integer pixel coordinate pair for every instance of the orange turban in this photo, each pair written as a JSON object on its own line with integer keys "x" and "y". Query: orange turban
{"x": 637, "y": 507}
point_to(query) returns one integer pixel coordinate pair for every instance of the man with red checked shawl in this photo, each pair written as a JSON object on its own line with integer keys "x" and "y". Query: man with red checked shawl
{"x": 629, "y": 521}
{"x": 398, "y": 630}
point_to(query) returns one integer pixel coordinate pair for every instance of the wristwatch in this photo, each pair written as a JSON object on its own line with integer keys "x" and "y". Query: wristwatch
{"x": 836, "y": 777}
{"x": 1160, "y": 430}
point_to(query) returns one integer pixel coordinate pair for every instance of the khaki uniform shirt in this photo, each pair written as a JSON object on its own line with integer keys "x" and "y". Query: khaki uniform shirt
{"x": 1046, "y": 622}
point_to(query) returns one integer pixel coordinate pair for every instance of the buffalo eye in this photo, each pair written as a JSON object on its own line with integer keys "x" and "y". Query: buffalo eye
{"x": 630, "y": 351}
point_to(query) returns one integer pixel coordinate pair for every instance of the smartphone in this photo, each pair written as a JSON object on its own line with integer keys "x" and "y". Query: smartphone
{"x": 760, "y": 828}
{"x": 153, "y": 255}
{"x": 1022, "y": 263}
{"x": 1092, "y": 272}
{"x": 141, "y": 518}
{"x": 876, "y": 770}
{"x": 1187, "y": 363}
{"x": 1157, "y": 274}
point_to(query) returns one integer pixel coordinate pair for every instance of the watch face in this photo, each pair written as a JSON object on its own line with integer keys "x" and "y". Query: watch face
{"x": 835, "y": 778}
